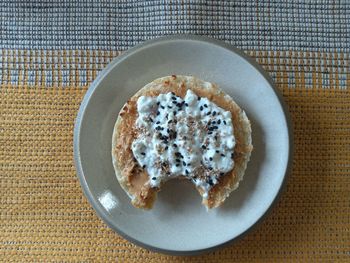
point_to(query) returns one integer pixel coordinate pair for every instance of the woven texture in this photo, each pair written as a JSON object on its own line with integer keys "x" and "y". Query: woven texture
{"x": 51, "y": 52}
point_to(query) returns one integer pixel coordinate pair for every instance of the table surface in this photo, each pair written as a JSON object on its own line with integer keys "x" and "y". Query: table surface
{"x": 52, "y": 51}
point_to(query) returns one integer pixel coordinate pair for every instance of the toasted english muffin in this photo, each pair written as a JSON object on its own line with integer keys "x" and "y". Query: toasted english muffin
{"x": 133, "y": 176}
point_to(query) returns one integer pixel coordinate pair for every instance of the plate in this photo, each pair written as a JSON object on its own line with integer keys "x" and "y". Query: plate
{"x": 179, "y": 224}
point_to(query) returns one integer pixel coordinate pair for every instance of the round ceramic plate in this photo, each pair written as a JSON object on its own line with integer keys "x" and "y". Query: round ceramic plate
{"x": 179, "y": 224}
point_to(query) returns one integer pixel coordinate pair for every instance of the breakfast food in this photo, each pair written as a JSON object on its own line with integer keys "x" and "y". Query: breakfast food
{"x": 180, "y": 127}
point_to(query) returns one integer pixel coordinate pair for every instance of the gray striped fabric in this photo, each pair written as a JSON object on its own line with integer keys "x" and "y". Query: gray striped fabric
{"x": 118, "y": 25}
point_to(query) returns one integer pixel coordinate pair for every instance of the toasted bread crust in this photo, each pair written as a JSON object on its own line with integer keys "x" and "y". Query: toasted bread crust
{"x": 134, "y": 180}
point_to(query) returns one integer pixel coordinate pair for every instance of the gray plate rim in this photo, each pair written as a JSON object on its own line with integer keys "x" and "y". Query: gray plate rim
{"x": 90, "y": 92}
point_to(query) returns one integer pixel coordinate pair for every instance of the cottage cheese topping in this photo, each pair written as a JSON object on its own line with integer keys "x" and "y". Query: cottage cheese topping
{"x": 192, "y": 137}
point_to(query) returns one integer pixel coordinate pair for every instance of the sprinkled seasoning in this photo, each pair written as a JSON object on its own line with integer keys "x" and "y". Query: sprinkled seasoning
{"x": 184, "y": 137}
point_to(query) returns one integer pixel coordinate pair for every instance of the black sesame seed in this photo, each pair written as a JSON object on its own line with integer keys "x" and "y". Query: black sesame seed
{"x": 166, "y": 147}
{"x": 214, "y": 122}
{"x": 173, "y": 93}
{"x": 210, "y": 168}
{"x": 158, "y": 103}
{"x": 183, "y": 163}
{"x": 167, "y": 130}
{"x": 208, "y": 113}
{"x": 174, "y": 145}
{"x": 219, "y": 121}
{"x": 203, "y": 147}
{"x": 186, "y": 104}
{"x": 205, "y": 105}
{"x": 223, "y": 155}
{"x": 177, "y": 154}
{"x": 175, "y": 112}
{"x": 199, "y": 98}
{"x": 153, "y": 178}
{"x": 174, "y": 98}
{"x": 225, "y": 122}
{"x": 174, "y": 102}
{"x": 158, "y": 113}
{"x": 178, "y": 160}
{"x": 210, "y": 182}
{"x": 144, "y": 166}
{"x": 167, "y": 116}
{"x": 217, "y": 151}
{"x": 215, "y": 127}
{"x": 201, "y": 107}
{"x": 222, "y": 174}
{"x": 186, "y": 172}
{"x": 177, "y": 165}
{"x": 179, "y": 104}
{"x": 210, "y": 159}
{"x": 150, "y": 119}
{"x": 214, "y": 113}
{"x": 170, "y": 107}
{"x": 157, "y": 122}
{"x": 232, "y": 155}
{"x": 158, "y": 128}
{"x": 143, "y": 153}
{"x": 210, "y": 133}
{"x": 170, "y": 121}
{"x": 162, "y": 107}
{"x": 185, "y": 138}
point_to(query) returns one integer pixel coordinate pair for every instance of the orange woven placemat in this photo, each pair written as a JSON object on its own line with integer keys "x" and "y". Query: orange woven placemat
{"x": 45, "y": 216}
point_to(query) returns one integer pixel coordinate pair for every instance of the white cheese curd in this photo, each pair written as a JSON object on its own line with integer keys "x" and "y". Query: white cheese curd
{"x": 192, "y": 137}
